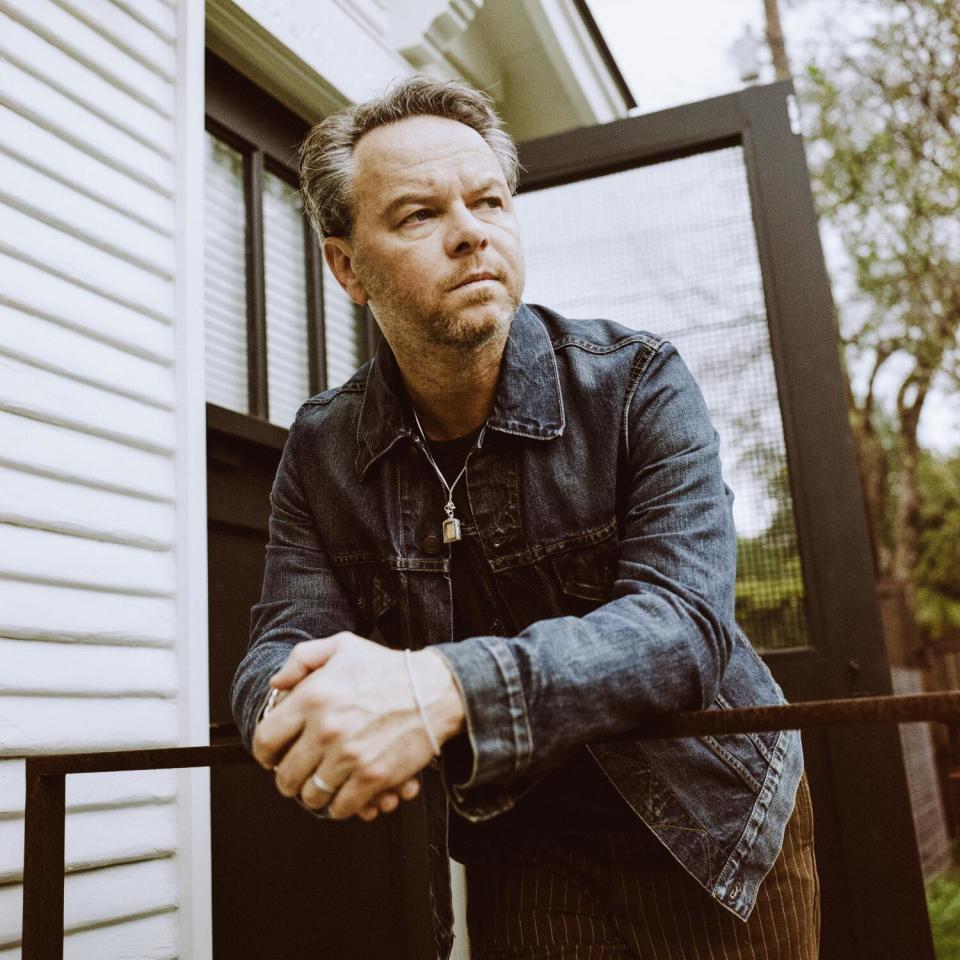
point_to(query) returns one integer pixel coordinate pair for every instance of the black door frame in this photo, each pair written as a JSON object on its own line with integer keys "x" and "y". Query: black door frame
{"x": 865, "y": 914}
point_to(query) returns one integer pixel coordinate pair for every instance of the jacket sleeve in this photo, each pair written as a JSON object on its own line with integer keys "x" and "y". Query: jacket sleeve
{"x": 663, "y": 642}
{"x": 301, "y": 598}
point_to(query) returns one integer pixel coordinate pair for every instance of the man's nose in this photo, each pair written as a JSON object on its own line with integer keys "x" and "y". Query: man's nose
{"x": 466, "y": 233}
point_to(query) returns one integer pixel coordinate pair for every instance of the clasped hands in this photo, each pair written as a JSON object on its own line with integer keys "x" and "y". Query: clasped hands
{"x": 351, "y": 718}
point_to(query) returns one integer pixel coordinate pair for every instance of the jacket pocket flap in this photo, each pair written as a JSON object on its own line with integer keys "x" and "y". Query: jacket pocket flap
{"x": 588, "y": 572}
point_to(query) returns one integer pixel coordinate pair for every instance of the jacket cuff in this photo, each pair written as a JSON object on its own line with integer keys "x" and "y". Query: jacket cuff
{"x": 250, "y": 689}
{"x": 498, "y": 729}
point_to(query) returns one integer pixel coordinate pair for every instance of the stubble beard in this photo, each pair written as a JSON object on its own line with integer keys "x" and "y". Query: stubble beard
{"x": 448, "y": 328}
{"x": 434, "y": 325}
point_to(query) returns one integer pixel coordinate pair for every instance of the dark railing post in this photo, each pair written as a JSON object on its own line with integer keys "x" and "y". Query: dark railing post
{"x": 44, "y": 825}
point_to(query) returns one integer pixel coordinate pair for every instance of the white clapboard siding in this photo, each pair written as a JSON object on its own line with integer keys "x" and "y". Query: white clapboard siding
{"x": 34, "y": 290}
{"x": 33, "y": 97}
{"x": 343, "y": 340}
{"x": 54, "y": 398}
{"x": 46, "y": 152}
{"x": 60, "y": 452}
{"x": 47, "y": 503}
{"x": 97, "y": 838}
{"x": 43, "y": 395}
{"x": 288, "y": 372}
{"x": 225, "y": 310}
{"x": 91, "y": 898}
{"x": 40, "y": 342}
{"x": 159, "y": 15}
{"x": 33, "y": 725}
{"x": 153, "y": 937}
{"x": 125, "y": 54}
{"x": 129, "y": 27}
{"x": 70, "y": 669}
{"x": 71, "y": 76}
{"x": 47, "y": 198}
{"x": 77, "y": 260}
{"x": 53, "y": 612}
{"x": 42, "y": 556}
{"x": 91, "y": 791}
{"x": 88, "y": 440}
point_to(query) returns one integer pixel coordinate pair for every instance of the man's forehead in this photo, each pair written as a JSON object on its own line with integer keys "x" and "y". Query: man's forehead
{"x": 417, "y": 151}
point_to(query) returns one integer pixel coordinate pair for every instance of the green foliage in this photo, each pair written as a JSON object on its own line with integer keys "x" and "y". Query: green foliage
{"x": 885, "y": 160}
{"x": 883, "y": 117}
{"x": 770, "y": 595}
{"x": 769, "y": 591}
{"x": 937, "y": 575}
{"x": 943, "y": 905}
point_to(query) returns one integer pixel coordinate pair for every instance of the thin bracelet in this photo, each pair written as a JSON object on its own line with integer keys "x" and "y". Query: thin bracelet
{"x": 423, "y": 713}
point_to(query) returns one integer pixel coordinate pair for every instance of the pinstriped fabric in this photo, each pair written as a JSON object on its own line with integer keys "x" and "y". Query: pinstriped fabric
{"x": 565, "y": 898}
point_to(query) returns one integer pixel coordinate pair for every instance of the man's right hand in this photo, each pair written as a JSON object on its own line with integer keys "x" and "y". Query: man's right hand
{"x": 357, "y": 695}
{"x": 389, "y": 800}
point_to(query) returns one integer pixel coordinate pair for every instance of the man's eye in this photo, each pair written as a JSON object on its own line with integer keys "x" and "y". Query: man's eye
{"x": 419, "y": 216}
{"x": 492, "y": 202}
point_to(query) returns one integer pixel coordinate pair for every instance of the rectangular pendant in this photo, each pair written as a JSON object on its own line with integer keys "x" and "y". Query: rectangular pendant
{"x": 451, "y": 530}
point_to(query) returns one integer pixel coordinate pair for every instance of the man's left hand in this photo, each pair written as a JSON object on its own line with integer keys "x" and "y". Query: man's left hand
{"x": 351, "y": 718}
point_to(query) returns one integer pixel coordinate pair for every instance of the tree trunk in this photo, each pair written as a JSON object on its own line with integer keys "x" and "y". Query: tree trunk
{"x": 906, "y": 510}
{"x": 873, "y": 470}
{"x": 775, "y": 40}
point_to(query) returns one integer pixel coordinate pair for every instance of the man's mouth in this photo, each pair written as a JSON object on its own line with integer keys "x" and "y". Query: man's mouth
{"x": 475, "y": 278}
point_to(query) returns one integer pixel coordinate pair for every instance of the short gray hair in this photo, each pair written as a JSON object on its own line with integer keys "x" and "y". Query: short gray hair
{"x": 326, "y": 155}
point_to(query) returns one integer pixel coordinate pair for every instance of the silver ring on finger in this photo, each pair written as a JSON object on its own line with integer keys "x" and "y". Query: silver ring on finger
{"x": 322, "y": 784}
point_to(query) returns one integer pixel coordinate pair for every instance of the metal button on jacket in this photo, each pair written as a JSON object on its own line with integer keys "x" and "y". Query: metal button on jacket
{"x": 431, "y": 544}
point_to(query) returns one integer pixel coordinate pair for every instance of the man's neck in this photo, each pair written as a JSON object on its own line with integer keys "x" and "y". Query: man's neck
{"x": 452, "y": 390}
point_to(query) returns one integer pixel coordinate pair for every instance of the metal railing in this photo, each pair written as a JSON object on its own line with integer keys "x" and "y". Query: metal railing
{"x": 43, "y": 861}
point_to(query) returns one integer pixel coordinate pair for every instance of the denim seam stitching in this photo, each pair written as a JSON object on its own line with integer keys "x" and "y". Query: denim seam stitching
{"x": 636, "y": 375}
{"x": 751, "y": 829}
{"x": 328, "y": 396}
{"x": 517, "y": 703}
{"x": 601, "y": 349}
{"x": 557, "y": 545}
{"x": 556, "y": 373}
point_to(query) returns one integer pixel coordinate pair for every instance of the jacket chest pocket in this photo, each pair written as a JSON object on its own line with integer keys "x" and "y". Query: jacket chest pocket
{"x": 374, "y": 595}
{"x": 585, "y": 575}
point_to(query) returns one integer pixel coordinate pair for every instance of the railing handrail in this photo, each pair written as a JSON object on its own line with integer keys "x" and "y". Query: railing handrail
{"x": 45, "y": 812}
{"x": 940, "y": 707}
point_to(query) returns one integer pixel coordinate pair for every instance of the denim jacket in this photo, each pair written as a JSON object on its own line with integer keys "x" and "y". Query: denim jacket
{"x": 598, "y": 499}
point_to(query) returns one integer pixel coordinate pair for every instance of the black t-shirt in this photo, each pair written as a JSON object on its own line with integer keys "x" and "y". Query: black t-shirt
{"x": 574, "y": 796}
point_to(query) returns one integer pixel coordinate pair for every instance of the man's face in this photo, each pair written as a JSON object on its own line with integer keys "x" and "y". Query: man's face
{"x": 435, "y": 248}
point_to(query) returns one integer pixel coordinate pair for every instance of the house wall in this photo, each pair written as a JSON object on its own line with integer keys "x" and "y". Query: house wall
{"x": 98, "y": 476}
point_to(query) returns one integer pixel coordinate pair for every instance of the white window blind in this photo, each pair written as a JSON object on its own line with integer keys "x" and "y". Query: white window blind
{"x": 343, "y": 337}
{"x": 225, "y": 277}
{"x": 288, "y": 371}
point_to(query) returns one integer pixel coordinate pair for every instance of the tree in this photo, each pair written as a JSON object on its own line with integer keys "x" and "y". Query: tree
{"x": 884, "y": 151}
{"x": 938, "y": 566}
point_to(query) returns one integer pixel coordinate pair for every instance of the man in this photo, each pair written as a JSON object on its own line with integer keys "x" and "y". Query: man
{"x": 529, "y": 512}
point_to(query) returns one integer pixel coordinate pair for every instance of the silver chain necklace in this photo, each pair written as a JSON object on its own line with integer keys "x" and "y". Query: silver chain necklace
{"x": 451, "y": 525}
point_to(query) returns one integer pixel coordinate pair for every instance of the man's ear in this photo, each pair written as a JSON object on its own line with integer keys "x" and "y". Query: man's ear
{"x": 339, "y": 256}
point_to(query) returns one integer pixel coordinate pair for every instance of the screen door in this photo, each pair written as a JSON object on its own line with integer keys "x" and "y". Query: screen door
{"x": 697, "y": 224}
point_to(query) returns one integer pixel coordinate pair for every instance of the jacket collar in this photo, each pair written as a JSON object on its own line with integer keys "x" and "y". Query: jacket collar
{"x": 528, "y": 401}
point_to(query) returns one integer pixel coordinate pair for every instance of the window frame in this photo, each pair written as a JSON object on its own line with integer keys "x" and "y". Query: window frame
{"x": 267, "y": 136}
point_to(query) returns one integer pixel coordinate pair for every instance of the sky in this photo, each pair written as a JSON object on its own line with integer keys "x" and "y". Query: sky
{"x": 676, "y": 52}
{"x": 679, "y": 52}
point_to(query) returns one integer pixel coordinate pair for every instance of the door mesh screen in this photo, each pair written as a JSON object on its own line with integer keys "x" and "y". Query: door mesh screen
{"x": 670, "y": 248}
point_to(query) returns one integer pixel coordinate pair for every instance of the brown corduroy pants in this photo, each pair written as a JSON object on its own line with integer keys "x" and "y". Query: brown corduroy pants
{"x": 624, "y": 896}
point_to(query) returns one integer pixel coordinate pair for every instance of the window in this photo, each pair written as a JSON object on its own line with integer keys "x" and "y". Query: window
{"x": 278, "y": 326}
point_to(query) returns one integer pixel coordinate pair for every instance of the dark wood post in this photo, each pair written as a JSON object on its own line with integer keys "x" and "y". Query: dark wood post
{"x": 44, "y": 825}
